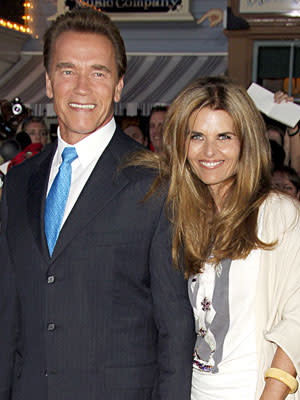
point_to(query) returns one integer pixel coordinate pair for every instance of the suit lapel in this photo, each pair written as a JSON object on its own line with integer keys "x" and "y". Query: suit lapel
{"x": 37, "y": 190}
{"x": 102, "y": 186}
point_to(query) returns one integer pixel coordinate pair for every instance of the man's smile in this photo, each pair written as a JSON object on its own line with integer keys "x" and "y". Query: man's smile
{"x": 82, "y": 106}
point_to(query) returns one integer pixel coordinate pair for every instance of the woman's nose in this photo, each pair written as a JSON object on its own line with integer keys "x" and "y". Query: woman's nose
{"x": 209, "y": 148}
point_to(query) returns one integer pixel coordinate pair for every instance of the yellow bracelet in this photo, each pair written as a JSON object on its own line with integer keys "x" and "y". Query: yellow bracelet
{"x": 283, "y": 377}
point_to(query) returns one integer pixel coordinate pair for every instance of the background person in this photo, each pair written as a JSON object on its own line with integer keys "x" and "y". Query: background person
{"x": 131, "y": 126}
{"x": 287, "y": 137}
{"x": 276, "y": 134}
{"x": 238, "y": 240}
{"x": 13, "y": 114}
{"x": 37, "y": 130}
{"x": 96, "y": 311}
{"x": 286, "y": 180}
{"x": 156, "y": 121}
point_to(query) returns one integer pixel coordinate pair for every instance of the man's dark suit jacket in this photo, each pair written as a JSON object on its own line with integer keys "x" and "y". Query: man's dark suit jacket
{"x": 107, "y": 317}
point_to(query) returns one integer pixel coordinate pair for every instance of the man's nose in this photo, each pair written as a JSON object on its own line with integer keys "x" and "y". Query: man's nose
{"x": 82, "y": 83}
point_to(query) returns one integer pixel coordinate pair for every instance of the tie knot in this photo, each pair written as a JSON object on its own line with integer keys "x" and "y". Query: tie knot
{"x": 69, "y": 154}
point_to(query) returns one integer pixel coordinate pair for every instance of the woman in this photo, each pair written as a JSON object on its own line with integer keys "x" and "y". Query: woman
{"x": 37, "y": 130}
{"x": 238, "y": 241}
{"x": 131, "y": 126}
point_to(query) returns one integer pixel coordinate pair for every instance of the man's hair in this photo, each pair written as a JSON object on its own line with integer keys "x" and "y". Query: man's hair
{"x": 158, "y": 108}
{"x": 86, "y": 20}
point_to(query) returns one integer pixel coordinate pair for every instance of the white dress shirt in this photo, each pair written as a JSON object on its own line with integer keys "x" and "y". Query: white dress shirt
{"x": 89, "y": 150}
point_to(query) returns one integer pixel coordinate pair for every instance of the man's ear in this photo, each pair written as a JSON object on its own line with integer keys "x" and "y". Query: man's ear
{"x": 118, "y": 90}
{"x": 49, "y": 91}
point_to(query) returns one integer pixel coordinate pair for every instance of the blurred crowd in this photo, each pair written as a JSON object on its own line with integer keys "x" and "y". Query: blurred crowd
{"x": 22, "y": 134}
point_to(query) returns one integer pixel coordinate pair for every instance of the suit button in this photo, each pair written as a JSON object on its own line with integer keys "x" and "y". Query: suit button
{"x": 51, "y": 326}
{"x": 51, "y": 279}
{"x": 47, "y": 373}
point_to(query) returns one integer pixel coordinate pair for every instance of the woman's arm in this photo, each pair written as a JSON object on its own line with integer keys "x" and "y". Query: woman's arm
{"x": 275, "y": 389}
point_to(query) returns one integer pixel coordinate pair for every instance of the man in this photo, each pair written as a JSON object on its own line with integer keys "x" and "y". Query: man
{"x": 156, "y": 120}
{"x": 91, "y": 307}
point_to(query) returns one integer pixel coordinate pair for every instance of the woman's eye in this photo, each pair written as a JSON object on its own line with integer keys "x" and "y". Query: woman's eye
{"x": 224, "y": 136}
{"x": 196, "y": 136}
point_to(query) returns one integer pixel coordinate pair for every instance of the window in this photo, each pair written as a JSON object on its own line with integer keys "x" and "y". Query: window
{"x": 276, "y": 66}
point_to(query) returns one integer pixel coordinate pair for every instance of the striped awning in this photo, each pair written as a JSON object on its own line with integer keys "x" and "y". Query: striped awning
{"x": 26, "y": 79}
{"x": 150, "y": 79}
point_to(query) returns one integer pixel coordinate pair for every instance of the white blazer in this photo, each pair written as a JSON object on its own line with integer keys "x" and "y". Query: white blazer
{"x": 278, "y": 287}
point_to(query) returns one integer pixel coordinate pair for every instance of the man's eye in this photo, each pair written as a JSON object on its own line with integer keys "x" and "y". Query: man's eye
{"x": 67, "y": 72}
{"x": 98, "y": 74}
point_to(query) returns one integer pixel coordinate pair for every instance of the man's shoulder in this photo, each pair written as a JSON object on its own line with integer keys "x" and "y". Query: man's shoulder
{"x": 124, "y": 143}
{"x": 124, "y": 149}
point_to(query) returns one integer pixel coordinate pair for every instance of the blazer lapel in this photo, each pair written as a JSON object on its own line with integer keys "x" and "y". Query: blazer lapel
{"x": 104, "y": 183}
{"x": 37, "y": 190}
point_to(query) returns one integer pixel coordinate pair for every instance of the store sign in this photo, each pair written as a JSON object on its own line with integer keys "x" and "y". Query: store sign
{"x": 291, "y": 7}
{"x": 137, "y": 10}
{"x": 137, "y": 5}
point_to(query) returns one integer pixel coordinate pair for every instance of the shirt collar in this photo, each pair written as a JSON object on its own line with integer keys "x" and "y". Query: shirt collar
{"x": 92, "y": 146}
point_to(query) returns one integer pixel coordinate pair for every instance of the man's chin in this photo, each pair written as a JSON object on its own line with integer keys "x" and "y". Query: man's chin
{"x": 75, "y": 136}
{"x": 85, "y": 130}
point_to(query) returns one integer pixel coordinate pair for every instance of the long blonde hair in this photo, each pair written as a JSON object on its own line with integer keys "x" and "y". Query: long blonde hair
{"x": 198, "y": 228}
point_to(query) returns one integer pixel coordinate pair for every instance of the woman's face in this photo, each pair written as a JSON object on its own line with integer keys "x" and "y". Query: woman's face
{"x": 135, "y": 133}
{"x": 213, "y": 149}
{"x": 37, "y": 132}
{"x": 281, "y": 182}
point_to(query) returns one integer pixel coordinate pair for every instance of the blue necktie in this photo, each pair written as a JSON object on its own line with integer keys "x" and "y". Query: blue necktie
{"x": 58, "y": 196}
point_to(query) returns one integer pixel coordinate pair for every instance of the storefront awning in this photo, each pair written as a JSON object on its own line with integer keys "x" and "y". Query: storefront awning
{"x": 150, "y": 79}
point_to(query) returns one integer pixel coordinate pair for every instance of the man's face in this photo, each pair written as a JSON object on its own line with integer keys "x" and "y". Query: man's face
{"x": 83, "y": 83}
{"x": 155, "y": 128}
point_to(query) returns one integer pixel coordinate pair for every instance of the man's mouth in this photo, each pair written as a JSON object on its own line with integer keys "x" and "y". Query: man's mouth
{"x": 82, "y": 106}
